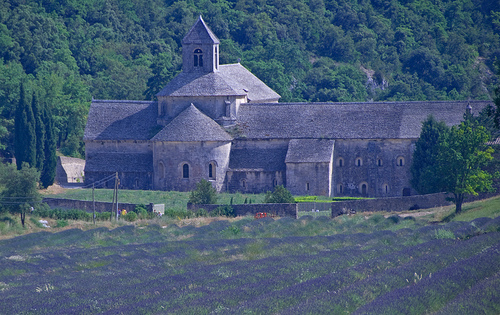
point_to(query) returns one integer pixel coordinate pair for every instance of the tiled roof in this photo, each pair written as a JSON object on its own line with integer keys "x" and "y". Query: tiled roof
{"x": 119, "y": 162}
{"x": 376, "y": 120}
{"x": 121, "y": 120}
{"x": 309, "y": 151}
{"x": 240, "y": 79}
{"x": 230, "y": 80}
{"x": 199, "y": 84}
{"x": 192, "y": 125}
{"x": 200, "y": 34}
{"x": 265, "y": 159}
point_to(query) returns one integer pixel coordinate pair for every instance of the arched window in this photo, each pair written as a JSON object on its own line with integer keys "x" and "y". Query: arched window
{"x": 379, "y": 162}
{"x": 307, "y": 186}
{"x": 185, "y": 171}
{"x": 340, "y": 162}
{"x": 400, "y": 161}
{"x": 385, "y": 189}
{"x": 243, "y": 184}
{"x": 363, "y": 188}
{"x": 211, "y": 170}
{"x": 198, "y": 58}
{"x": 359, "y": 161}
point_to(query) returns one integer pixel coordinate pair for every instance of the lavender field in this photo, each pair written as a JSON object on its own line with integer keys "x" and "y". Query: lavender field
{"x": 265, "y": 266}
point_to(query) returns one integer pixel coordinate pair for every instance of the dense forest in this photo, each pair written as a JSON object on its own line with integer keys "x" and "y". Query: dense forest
{"x": 67, "y": 52}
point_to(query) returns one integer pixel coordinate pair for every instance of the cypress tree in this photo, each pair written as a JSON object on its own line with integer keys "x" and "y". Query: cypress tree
{"x": 49, "y": 167}
{"x": 19, "y": 126}
{"x": 24, "y": 129}
{"x": 39, "y": 132}
{"x": 30, "y": 136}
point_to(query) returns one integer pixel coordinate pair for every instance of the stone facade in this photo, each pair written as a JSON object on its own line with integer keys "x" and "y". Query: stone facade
{"x": 222, "y": 124}
{"x": 382, "y": 166}
{"x": 69, "y": 170}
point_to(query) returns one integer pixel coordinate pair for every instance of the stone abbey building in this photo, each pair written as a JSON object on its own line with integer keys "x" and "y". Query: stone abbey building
{"x": 222, "y": 124}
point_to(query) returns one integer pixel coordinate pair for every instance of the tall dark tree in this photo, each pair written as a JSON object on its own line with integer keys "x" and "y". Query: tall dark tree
{"x": 48, "y": 172}
{"x": 424, "y": 157}
{"x": 39, "y": 132}
{"x": 24, "y": 129}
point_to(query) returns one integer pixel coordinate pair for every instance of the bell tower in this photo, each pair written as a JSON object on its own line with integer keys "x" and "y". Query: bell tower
{"x": 200, "y": 49}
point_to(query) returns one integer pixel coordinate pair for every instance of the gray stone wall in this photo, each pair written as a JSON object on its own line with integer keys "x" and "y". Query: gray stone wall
{"x": 391, "y": 204}
{"x": 169, "y": 158}
{"x": 87, "y": 205}
{"x": 105, "y": 158}
{"x": 274, "y": 209}
{"x": 69, "y": 170}
{"x": 256, "y": 166}
{"x": 253, "y": 182}
{"x": 309, "y": 178}
{"x": 374, "y": 163}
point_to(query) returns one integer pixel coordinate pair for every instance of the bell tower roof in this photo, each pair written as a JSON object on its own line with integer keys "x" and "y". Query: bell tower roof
{"x": 200, "y": 34}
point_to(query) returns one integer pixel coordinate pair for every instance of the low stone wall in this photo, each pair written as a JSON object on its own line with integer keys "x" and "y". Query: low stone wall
{"x": 277, "y": 209}
{"x": 87, "y": 205}
{"x": 391, "y": 204}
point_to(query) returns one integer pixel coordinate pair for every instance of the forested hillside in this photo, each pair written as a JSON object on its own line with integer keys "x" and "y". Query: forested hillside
{"x": 68, "y": 51}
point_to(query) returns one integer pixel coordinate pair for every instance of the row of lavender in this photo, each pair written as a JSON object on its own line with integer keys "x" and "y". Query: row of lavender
{"x": 131, "y": 270}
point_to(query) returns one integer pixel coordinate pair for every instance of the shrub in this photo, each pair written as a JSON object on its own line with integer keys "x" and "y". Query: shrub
{"x": 61, "y": 223}
{"x": 131, "y": 216}
{"x": 141, "y": 211}
{"x": 60, "y": 214}
{"x": 204, "y": 194}
{"x": 178, "y": 212}
{"x": 306, "y": 198}
{"x": 443, "y": 234}
{"x": 279, "y": 195}
{"x": 226, "y": 211}
{"x": 201, "y": 213}
{"x": 377, "y": 218}
{"x": 103, "y": 216}
{"x": 394, "y": 219}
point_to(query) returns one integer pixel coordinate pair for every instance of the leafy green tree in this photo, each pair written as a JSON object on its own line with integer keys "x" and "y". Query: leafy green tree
{"x": 455, "y": 161}
{"x": 204, "y": 194}
{"x": 279, "y": 195}
{"x": 19, "y": 188}
{"x": 164, "y": 68}
{"x": 462, "y": 154}
{"x": 425, "y": 157}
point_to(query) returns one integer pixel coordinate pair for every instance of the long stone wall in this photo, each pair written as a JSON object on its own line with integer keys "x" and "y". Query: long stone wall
{"x": 276, "y": 209}
{"x": 391, "y": 204}
{"x": 87, "y": 205}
